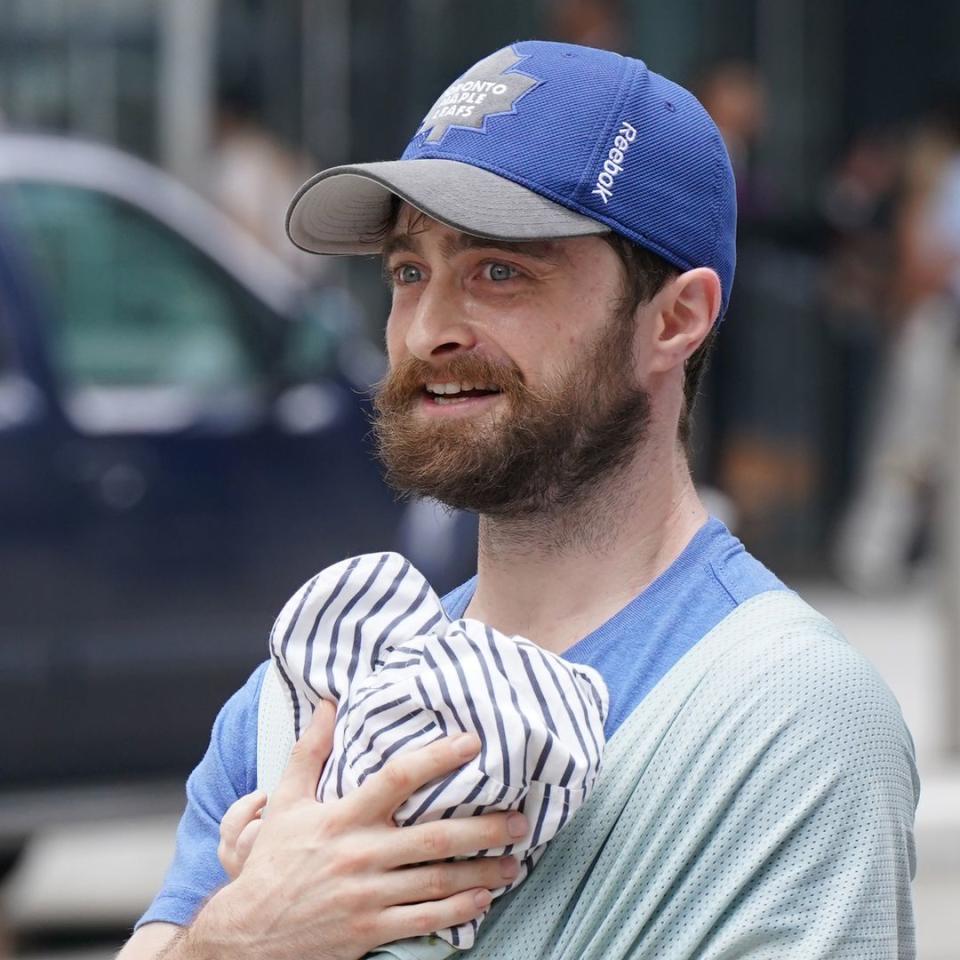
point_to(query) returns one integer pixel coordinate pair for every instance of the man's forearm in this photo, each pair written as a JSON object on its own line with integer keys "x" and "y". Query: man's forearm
{"x": 151, "y": 941}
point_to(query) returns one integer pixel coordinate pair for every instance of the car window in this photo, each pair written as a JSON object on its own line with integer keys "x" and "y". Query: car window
{"x": 137, "y": 305}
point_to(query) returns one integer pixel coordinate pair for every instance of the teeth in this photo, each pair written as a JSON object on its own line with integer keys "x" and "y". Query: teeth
{"x": 448, "y": 388}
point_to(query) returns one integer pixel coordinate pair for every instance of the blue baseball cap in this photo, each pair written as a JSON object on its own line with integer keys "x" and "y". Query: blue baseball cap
{"x": 545, "y": 140}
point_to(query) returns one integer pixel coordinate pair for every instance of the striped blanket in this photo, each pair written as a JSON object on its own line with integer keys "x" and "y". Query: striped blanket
{"x": 370, "y": 635}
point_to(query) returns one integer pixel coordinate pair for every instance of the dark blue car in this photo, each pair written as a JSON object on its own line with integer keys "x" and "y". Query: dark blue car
{"x": 183, "y": 441}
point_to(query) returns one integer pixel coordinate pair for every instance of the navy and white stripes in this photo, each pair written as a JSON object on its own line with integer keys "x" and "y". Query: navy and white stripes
{"x": 370, "y": 634}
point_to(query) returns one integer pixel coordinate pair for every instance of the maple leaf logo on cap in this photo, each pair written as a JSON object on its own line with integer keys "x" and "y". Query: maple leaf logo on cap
{"x": 484, "y": 90}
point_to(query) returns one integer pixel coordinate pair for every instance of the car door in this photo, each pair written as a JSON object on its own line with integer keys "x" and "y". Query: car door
{"x": 35, "y": 512}
{"x": 195, "y": 500}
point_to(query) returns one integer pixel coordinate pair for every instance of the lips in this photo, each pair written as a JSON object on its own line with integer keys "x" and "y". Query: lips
{"x": 466, "y": 380}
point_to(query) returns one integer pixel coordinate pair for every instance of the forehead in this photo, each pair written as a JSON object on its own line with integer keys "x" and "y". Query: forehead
{"x": 413, "y": 231}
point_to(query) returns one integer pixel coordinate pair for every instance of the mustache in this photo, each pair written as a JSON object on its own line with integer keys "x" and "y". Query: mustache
{"x": 406, "y": 380}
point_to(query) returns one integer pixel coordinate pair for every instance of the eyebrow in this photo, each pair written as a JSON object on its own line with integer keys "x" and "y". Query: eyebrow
{"x": 545, "y": 250}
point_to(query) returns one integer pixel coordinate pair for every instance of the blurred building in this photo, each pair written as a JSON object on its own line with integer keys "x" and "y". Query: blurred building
{"x": 325, "y": 81}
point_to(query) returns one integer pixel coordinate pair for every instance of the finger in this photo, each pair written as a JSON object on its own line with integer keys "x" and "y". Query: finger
{"x": 421, "y": 919}
{"x": 381, "y": 794}
{"x": 239, "y": 814}
{"x": 441, "y": 880}
{"x": 457, "y": 837}
{"x": 306, "y": 761}
{"x": 227, "y": 855}
{"x": 246, "y": 840}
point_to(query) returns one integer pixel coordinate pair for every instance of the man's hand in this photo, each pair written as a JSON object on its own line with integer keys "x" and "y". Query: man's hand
{"x": 334, "y": 880}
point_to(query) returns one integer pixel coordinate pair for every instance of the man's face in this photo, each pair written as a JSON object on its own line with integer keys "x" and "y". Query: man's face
{"x": 512, "y": 386}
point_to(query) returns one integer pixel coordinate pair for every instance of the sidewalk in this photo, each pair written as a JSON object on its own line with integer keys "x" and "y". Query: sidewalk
{"x": 902, "y": 636}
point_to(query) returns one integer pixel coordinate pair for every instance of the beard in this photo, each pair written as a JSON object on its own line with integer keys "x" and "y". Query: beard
{"x": 546, "y": 451}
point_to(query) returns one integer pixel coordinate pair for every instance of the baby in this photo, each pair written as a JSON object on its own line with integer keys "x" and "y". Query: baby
{"x": 371, "y": 635}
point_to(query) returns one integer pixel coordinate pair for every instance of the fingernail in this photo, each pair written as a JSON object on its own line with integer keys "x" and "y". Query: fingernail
{"x": 517, "y": 825}
{"x": 482, "y": 898}
{"x": 466, "y": 744}
{"x": 509, "y": 868}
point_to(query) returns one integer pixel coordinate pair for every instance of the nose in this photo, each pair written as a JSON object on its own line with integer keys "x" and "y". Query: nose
{"x": 439, "y": 326}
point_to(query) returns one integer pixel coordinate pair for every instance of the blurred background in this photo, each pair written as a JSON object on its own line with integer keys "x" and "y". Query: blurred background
{"x": 183, "y": 394}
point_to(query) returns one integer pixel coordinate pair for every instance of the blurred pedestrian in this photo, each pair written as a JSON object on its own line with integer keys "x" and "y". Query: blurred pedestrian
{"x": 756, "y": 443}
{"x": 908, "y": 448}
{"x": 858, "y": 202}
{"x": 250, "y": 171}
{"x": 735, "y": 96}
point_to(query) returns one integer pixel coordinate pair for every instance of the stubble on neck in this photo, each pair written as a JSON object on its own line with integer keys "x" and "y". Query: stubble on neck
{"x": 554, "y": 577}
{"x": 588, "y": 526}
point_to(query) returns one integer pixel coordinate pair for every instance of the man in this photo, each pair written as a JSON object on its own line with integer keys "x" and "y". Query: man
{"x": 559, "y": 238}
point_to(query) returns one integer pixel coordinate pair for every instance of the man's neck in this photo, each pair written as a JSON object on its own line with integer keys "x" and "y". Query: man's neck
{"x": 554, "y": 579}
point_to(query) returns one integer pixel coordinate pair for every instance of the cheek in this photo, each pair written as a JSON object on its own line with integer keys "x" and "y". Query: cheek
{"x": 394, "y": 338}
{"x": 551, "y": 344}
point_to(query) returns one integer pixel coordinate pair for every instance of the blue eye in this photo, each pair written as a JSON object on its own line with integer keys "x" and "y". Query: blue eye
{"x": 408, "y": 273}
{"x": 500, "y": 271}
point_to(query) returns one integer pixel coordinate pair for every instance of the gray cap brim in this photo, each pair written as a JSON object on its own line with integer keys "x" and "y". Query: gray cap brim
{"x": 345, "y": 209}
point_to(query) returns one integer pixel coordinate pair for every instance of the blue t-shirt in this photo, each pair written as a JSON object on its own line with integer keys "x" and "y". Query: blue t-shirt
{"x": 632, "y": 651}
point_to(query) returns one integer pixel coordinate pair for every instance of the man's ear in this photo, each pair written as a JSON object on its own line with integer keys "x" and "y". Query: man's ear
{"x": 688, "y": 309}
